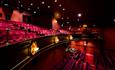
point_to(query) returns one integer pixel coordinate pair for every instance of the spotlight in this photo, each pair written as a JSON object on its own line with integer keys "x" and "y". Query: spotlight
{"x": 79, "y": 14}
{"x": 43, "y": 2}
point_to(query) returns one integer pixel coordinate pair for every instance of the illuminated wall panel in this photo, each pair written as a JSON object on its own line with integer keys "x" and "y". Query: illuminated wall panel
{"x": 2, "y": 16}
{"x": 17, "y": 16}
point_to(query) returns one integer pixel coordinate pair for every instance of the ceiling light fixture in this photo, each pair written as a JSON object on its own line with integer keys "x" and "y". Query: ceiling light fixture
{"x": 49, "y": 6}
{"x": 19, "y": 1}
{"x": 60, "y": 5}
{"x": 5, "y": 4}
{"x": 34, "y": 12}
{"x": 21, "y": 5}
{"x": 28, "y": 8}
{"x": 31, "y": 4}
{"x": 114, "y": 19}
{"x": 94, "y": 25}
{"x": 17, "y": 7}
{"x": 55, "y": 0}
{"x": 38, "y": 7}
{"x": 63, "y": 9}
{"x": 67, "y": 17}
{"x": 43, "y": 2}
{"x": 79, "y": 14}
{"x": 68, "y": 22}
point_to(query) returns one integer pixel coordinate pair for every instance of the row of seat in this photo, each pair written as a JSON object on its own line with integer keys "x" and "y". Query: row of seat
{"x": 74, "y": 61}
{"x": 12, "y": 32}
{"x": 78, "y": 61}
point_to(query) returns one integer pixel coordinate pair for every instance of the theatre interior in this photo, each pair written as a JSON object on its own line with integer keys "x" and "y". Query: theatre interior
{"x": 57, "y": 35}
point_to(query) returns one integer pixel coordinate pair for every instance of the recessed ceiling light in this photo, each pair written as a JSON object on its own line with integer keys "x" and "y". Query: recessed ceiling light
{"x": 49, "y": 6}
{"x": 60, "y": 5}
{"x": 63, "y": 9}
{"x": 19, "y": 1}
{"x": 67, "y": 17}
{"x": 21, "y": 5}
{"x": 62, "y": 18}
{"x": 43, "y": 2}
{"x": 28, "y": 8}
{"x": 31, "y": 4}
{"x": 70, "y": 27}
{"x": 38, "y": 7}
{"x": 62, "y": 25}
{"x": 17, "y": 7}
{"x": 5, "y": 4}
{"x": 114, "y": 19}
{"x": 79, "y": 15}
{"x": 34, "y": 12}
{"x": 94, "y": 25}
{"x": 55, "y": 0}
{"x": 67, "y": 22}
{"x": 78, "y": 19}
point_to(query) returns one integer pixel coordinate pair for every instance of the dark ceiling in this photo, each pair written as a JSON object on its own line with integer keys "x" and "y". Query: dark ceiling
{"x": 100, "y": 12}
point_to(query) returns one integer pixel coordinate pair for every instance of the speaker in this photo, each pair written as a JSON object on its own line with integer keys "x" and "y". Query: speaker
{"x": 26, "y": 18}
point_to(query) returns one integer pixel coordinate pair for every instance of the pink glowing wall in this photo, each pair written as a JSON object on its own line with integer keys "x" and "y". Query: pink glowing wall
{"x": 17, "y": 16}
{"x": 1, "y": 11}
{"x": 55, "y": 24}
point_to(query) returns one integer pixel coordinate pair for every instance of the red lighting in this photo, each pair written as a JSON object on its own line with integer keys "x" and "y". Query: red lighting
{"x": 85, "y": 43}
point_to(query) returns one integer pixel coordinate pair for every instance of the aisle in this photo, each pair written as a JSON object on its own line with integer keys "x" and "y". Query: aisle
{"x": 59, "y": 59}
{"x": 90, "y": 49}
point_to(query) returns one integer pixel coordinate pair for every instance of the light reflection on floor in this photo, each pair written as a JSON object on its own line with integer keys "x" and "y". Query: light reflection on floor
{"x": 51, "y": 58}
{"x": 90, "y": 49}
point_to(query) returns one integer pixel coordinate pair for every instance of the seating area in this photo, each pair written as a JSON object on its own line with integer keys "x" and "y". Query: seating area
{"x": 110, "y": 58}
{"x": 57, "y": 35}
{"x": 12, "y": 32}
{"x": 77, "y": 61}
{"x": 74, "y": 61}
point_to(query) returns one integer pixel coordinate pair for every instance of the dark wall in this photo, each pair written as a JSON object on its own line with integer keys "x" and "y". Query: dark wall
{"x": 8, "y": 10}
{"x": 43, "y": 21}
{"x": 109, "y": 38}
